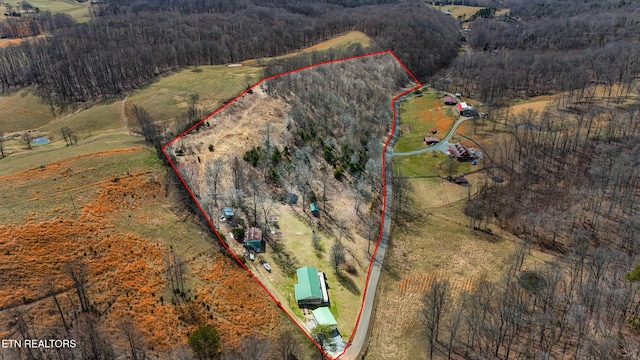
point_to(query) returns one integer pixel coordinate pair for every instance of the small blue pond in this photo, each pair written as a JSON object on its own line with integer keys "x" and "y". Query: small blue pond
{"x": 41, "y": 141}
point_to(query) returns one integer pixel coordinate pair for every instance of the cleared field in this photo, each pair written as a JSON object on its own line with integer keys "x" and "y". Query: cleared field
{"x": 52, "y": 153}
{"x": 338, "y": 42}
{"x": 438, "y": 247}
{"x": 460, "y": 10}
{"x": 92, "y": 121}
{"x": 6, "y": 42}
{"x": 342, "y": 41}
{"x": 21, "y": 111}
{"x": 55, "y": 6}
{"x": 538, "y": 103}
{"x": 420, "y": 114}
{"x": 168, "y": 97}
{"x": 428, "y": 164}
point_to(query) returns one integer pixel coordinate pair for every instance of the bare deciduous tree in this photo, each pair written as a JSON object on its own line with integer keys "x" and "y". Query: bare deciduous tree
{"x": 26, "y": 139}
{"x": 434, "y": 302}
{"x": 213, "y": 172}
{"x": 78, "y": 271}
{"x": 135, "y": 339}
{"x": 338, "y": 256}
{"x": 2, "y": 140}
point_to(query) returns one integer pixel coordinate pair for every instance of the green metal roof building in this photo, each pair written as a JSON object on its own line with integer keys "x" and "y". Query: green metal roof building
{"x": 323, "y": 316}
{"x": 308, "y": 290}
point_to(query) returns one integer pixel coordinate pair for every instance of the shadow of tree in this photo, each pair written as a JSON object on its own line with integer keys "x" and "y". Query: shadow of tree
{"x": 348, "y": 283}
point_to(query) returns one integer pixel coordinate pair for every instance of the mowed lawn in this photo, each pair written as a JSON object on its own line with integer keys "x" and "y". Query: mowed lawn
{"x": 418, "y": 115}
{"x": 344, "y": 303}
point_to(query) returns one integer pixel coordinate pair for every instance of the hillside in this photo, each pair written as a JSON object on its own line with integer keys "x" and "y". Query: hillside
{"x": 316, "y": 133}
{"x": 138, "y": 42}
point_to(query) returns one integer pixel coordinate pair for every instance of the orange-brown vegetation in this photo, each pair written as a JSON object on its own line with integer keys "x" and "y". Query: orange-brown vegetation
{"x": 238, "y": 304}
{"x": 126, "y": 270}
{"x": 435, "y": 113}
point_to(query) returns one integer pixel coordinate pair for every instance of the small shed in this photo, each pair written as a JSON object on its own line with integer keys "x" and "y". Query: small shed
{"x": 256, "y": 246}
{"x": 323, "y": 316}
{"x": 430, "y": 140}
{"x": 227, "y": 213}
{"x": 291, "y": 199}
{"x": 314, "y": 209}
{"x": 450, "y": 100}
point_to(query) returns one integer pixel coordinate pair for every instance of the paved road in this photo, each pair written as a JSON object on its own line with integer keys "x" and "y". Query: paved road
{"x": 360, "y": 336}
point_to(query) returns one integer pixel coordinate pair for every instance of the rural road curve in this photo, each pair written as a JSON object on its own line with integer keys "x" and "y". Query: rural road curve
{"x": 360, "y": 337}
{"x": 442, "y": 146}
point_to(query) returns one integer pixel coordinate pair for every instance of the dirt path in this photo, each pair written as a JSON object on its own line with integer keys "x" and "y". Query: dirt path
{"x": 123, "y": 112}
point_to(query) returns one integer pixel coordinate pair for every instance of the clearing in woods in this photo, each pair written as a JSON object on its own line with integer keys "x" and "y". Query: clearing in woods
{"x": 420, "y": 114}
{"x": 77, "y": 10}
{"x": 438, "y": 245}
{"x": 233, "y": 130}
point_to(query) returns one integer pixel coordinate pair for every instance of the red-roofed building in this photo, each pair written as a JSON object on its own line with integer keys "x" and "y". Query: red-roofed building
{"x": 465, "y": 109}
{"x": 450, "y": 100}
{"x": 430, "y": 140}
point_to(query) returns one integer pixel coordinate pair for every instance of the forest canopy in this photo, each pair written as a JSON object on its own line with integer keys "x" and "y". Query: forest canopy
{"x": 127, "y": 44}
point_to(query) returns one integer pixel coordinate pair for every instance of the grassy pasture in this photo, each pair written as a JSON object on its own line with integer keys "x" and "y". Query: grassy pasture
{"x": 44, "y": 209}
{"x": 51, "y": 153}
{"x": 21, "y": 111}
{"x": 70, "y": 7}
{"x": 420, "y": 114}
{"x": 168, "y": 97}
{"x": 438, "y": 245}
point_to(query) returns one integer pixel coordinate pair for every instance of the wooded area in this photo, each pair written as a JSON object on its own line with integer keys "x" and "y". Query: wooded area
{"x": 564, "y": 180}
{"x": 543, "y": 48}
{"x": 127, "y": 45}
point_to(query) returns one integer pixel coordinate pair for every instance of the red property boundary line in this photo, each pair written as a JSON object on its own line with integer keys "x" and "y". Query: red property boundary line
{"x": 384, "y": 198}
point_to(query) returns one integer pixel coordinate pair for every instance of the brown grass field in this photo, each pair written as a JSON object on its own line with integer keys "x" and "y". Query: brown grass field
{"x": 106, "y": 202}
{"x": 120, "y": 220}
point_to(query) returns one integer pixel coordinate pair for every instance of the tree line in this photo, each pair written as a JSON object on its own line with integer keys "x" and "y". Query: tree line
{"x": 543, "y": 48}
{"x": 123, "y": 48}
{"x": 45, "y": 22}
{"x": 580, "y": 307}
{"x": 570, "y": 188}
